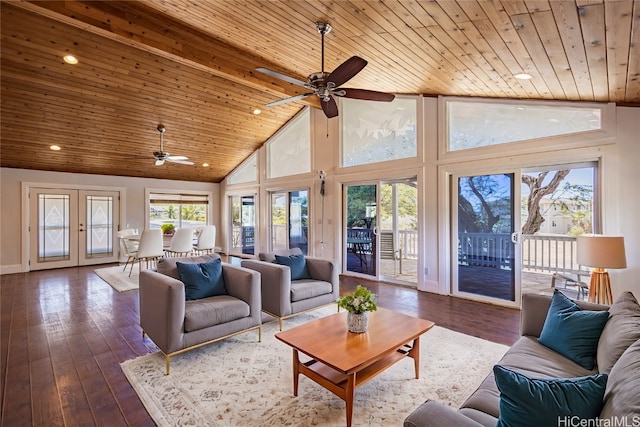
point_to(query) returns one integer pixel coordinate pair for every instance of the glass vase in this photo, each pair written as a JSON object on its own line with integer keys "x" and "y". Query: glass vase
{"x": 358, "y": 322}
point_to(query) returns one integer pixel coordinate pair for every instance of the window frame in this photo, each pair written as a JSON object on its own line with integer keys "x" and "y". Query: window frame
{"x": 149, "y": 192}
{"x": 304, "y": 112}
{"x": 605, "y": 135}
{"x": 404, "y": 162}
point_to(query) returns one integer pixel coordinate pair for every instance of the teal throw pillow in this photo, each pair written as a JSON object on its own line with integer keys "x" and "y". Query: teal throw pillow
{"x": 202, "y": 280}
{"x": 572, "y": 331}
{"x": 539, "y": 402}
{"x": 297, "y": 264}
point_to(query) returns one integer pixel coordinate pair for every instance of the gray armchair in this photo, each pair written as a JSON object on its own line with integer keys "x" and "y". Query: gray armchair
{"x": 283, "y": 297}
{"x": 176, "y": 325}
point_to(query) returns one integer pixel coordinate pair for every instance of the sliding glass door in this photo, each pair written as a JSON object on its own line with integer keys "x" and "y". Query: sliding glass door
{"x": 290, "y": 220}
{"x": 381, "y": 230}
{"x": 485, "y": 237}
{"x": 243, "y": 224}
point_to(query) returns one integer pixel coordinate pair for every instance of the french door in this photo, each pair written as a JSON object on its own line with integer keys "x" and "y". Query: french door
{"x": 485, "y": 237}
{"x": 68, "y": 228}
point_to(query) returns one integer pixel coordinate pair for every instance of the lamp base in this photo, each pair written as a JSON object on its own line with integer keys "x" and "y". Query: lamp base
{"x": 600, "y": 287}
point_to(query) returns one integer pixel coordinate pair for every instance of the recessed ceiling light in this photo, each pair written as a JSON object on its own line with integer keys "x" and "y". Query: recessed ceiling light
{"x": 70, "y": 59}
{"x": 523, "y": 76}
{"x": 257, "y": 111}
{"x": 55, "y": 148}
{"x": 206, "y": 165}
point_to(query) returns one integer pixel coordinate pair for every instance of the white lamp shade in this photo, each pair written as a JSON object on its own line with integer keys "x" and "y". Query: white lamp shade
{"x": 601, "y": 251}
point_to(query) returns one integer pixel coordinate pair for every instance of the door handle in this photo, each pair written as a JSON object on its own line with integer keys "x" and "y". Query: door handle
{"x": 515, "y": 237}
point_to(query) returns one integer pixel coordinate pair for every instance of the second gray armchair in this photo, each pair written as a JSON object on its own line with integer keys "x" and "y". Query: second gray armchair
{"x": 283, "y": 297}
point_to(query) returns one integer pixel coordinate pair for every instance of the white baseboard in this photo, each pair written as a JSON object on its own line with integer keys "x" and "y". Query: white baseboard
{"x": 432, "y": 286}
{"x": 11, "y": 269}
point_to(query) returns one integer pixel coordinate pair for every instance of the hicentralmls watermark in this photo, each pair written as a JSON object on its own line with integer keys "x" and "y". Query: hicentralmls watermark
{"x": 574, "y": 421}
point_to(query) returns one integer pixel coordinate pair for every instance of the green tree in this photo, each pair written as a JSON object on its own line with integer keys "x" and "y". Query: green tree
{"x": 537, "y": 191}
{"x": 359, "y": 198}
{"x": 172, "y": 212}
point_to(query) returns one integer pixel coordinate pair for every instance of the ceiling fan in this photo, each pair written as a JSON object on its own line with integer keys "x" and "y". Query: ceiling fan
{"x": 162, "y": 156}
{"x": 327, "y": 85}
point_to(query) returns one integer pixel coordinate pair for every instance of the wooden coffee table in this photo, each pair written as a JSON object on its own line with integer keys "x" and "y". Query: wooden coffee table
{"x": 341, "y": 361}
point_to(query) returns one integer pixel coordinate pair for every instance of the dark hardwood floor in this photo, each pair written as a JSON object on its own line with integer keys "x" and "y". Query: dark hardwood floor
{"x": 65, "y": 332}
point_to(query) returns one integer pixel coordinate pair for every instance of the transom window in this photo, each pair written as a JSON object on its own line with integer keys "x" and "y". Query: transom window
{"x": 482, "y": 124}
{"x": 289, "y": 151}
{"x": 373, "y": 132}
{"x": 246, "y": 172}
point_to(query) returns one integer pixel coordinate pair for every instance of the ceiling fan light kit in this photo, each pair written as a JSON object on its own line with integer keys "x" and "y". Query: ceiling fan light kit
{"x": 327, "y": 85}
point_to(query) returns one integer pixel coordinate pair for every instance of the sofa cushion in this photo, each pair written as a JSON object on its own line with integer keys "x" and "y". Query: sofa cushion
{"x": 202, "y": 313}
{"x": 305, "y": 289}
{"x": 202, "y": 280}
{"x": 622, "y": 330}
{"x": 538, "y": 402}
{"x": 622, "y": 396}
{"x": 296, "y": 264}
{"x": 572, "y": 331}
{"x": 271, "y": 256}
{"x": 167, "y": 266}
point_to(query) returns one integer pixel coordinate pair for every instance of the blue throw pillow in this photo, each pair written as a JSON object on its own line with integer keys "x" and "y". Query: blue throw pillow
{"x": 539, "y": 402}
{"x": 202, "y": 280}
{"x": 572, "y": 331}
{"x": 297, "y": 264}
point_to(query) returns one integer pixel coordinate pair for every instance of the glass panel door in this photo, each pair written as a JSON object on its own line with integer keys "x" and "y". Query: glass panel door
{"x": 243, "y": 214}
{"x": 485, "y": 225}
{"x": 54, "y": 219}
{"x": 72, "y": 227}
{"x": 98, "y": 223}
{"x": 298, "y": 220}
{"x": 290, "y": 220}
{"x": 361, "y": 211}
{"x": 398, "y": 230}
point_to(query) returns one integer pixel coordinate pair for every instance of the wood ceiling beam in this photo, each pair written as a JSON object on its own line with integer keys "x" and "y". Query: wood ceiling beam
{"x": 138, "y": 26}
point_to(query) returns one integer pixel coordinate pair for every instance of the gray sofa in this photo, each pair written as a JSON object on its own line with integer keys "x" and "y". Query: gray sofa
{"x": 176, "y": 325}
{"x": 283, "y": 297}
{"x": 618, "y": 355}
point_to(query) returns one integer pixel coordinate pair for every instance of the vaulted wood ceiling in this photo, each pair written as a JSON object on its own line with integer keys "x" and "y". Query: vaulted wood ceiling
{"x": 191, "y": 66}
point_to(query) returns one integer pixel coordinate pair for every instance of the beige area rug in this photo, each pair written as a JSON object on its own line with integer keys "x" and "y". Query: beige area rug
{"x": 241, "y": 382}
{"x": 118, "y": 279}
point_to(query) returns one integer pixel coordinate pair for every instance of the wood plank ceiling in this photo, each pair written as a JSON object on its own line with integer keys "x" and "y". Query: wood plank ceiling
{"x": 191, "y": 66}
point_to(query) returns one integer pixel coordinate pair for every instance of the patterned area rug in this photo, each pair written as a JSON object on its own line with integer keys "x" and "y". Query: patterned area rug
{"x": 241, "y": 382}
{"x": 118, "y": 279}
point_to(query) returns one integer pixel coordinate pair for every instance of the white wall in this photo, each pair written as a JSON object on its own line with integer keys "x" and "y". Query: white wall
{"x": 11, "y": 214}
{"x": 623, "y": 184}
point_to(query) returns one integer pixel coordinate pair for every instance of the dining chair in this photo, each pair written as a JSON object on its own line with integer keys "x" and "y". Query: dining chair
{"x": 206, "y": 240}
{"x": 181, "y": 243}
{"x": 150, "y": 248}
{"x": 128, "y": 246}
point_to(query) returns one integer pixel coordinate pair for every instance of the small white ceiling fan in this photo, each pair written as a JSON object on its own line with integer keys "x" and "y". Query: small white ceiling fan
{"x": 162, "y": 156}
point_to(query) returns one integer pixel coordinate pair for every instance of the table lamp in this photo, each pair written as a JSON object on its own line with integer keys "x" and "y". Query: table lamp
{"x": 601, "y": 252}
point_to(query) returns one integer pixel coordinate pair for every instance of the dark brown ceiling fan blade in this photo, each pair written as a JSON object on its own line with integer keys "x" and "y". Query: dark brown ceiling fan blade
{"x": 369, "y": 95}
{"x": 291, "y": 99}
{"x": 329, "y": 107}
{"x": 284, "y": 77}
{"x": 346, "y": 70}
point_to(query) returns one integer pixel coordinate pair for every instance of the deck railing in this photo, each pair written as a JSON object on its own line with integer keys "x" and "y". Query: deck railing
{"x": 551, "y": 253}
{"x": 541, "y": 253}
